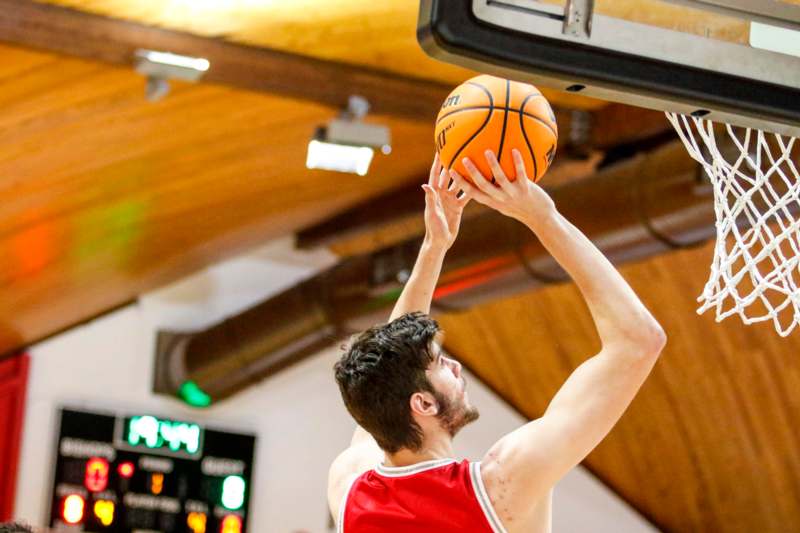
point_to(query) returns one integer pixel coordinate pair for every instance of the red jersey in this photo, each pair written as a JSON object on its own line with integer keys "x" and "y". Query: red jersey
{"x": 440, "y": 495}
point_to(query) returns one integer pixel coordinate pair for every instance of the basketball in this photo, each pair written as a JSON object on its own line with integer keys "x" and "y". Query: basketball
{"x": 490, "y": 113}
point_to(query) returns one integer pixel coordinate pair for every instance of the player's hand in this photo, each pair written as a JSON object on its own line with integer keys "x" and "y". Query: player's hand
{"x": 521, "y": 199}
{"x": 443, "y": 207}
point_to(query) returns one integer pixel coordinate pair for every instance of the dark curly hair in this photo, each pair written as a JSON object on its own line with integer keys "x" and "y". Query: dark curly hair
{"x": 379, "y": 372}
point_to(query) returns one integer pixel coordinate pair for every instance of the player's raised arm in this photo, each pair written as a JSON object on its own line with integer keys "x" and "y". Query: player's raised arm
{"x": 443, "y": 208}
{"x": 532, "y": 458}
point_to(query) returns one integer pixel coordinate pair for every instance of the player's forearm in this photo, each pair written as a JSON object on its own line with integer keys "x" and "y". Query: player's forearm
{"x": 618, "y": 313}
{"x": 418, "y": 291}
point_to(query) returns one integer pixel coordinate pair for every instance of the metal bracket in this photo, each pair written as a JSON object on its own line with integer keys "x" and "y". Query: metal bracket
{"x": 578, "y": 18}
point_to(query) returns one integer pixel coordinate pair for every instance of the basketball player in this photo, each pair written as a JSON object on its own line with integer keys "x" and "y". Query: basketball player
{"x": 399, "y": 473}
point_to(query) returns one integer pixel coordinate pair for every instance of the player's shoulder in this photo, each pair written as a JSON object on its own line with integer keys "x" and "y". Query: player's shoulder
{"x": 347, "y": 466}
{"x": 340, "y": 476}
{"x": 344, "y": 467}
{"x": 510, "y": 471}
{"x": 502, "y": 483}
{"x": 494, "y": 461}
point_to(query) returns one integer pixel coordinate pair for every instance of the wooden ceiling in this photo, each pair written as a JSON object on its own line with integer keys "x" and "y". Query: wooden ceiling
{"x": 104, "y": 195}
{"x": 329, "y": 29}
{"x": 711, "y": 441}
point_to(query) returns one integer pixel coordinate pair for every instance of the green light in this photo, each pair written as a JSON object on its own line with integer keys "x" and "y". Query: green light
{"x": 111, "y": 229}
{"x": 144, "y": 429}
{"x": 150, "y": 432}
{"x": 233, "y": 492}
{"x": 190, "y": 393}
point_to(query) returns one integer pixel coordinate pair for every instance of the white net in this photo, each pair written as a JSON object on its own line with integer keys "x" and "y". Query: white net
{"x": 757, "y": 200}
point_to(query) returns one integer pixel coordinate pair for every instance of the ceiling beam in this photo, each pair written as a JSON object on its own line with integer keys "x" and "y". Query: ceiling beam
{"x": 383, "y": 220}
{"x": 98, "y": 38}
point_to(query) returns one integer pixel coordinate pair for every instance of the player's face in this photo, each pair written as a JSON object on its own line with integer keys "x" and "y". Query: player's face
{"x": 455, "y": 410}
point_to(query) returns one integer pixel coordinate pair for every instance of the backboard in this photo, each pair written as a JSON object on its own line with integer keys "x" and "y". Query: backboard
{"x": 732, "y": 61}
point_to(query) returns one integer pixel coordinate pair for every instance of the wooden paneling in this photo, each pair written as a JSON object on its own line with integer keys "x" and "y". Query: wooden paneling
{"x": 678, "y": 17}
{"x": 339, "y": 29}
{"x": 379, "y": 34}
{"x": 711, "y": 441}
{"x": 104, "y": 195}
{"x": 53, "y": 29}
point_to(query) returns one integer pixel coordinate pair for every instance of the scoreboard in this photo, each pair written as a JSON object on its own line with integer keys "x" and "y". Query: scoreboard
{"x": 144, "y": 474}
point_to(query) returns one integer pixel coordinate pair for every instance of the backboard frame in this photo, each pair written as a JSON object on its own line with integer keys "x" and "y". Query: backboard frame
{"x": 542, "y": 43}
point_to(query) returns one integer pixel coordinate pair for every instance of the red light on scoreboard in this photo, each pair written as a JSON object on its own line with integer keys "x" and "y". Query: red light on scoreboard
{"x": 125, "y": 470}
{"x": 231, "y": 524}
{"x": 72, "y": 513}
{"x": 96, "y": 478}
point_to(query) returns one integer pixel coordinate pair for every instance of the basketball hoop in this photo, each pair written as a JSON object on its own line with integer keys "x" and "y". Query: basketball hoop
{"x": 756, "y": 199}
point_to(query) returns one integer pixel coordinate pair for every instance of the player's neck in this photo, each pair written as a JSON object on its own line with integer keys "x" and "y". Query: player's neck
{"x": 439, "y": 446}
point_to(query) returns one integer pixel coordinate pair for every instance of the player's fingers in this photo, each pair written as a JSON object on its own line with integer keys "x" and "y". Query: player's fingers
{"x": 497, "y": 170}
{"x": 459, "y": 184}
{"x": 479, "y": 181}
{"x": 464, "y": 199}
{"x": 519, "y": 166}
{"x": 442, "y": 181}
{"x": 432, "y": 201}
{"x": 453, "y": 187}
{"x": 436, "y": 168}
{"x": 470, "y": 191}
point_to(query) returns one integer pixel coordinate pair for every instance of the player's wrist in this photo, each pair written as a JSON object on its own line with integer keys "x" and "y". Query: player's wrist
{"x": 434, "y": 246}
{"x": 540, "y": 219}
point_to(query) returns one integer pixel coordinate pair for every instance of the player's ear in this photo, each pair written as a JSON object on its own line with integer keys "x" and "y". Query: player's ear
{"x": 424, "y": 404}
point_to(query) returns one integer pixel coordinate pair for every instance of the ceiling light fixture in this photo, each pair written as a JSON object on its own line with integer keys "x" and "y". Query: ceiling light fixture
{"x": 346, "y": 143}
{"x": 160, "y": 67}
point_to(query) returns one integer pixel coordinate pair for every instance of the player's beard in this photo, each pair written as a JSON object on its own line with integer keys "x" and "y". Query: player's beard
{"x": 455, "y": 414}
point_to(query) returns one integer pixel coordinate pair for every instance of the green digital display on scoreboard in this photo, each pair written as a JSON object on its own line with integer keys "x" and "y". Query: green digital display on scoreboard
{"x": 162, "y": 435}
